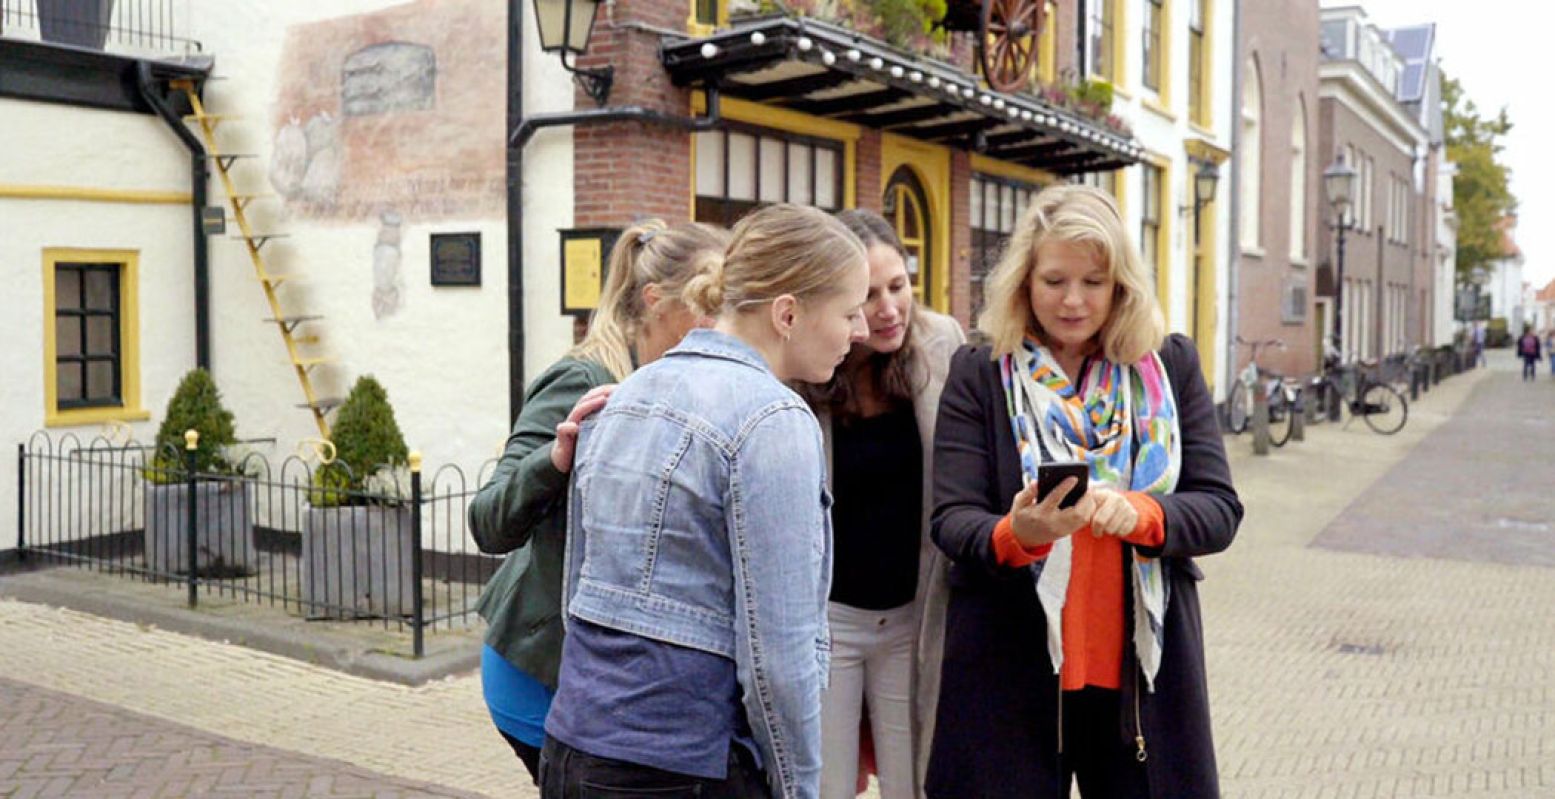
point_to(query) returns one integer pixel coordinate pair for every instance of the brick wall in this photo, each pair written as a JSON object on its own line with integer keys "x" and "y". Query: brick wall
{"x": 628, "y": 170}
{"x": 1280, "y": 35}
{"x": 960, "y": 237}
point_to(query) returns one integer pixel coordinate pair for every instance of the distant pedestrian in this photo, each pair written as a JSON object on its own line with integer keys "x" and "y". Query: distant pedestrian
{"x": 1549, "y": 349}
{"x": 1479, "y": 344}
{"x": 1529, "y": 350}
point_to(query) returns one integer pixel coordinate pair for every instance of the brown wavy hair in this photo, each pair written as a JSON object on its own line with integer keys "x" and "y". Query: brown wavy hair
{"x": 891, "y": 372}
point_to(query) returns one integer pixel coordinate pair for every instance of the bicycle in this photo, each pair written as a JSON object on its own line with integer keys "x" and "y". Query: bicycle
{"x": 1284, "y": 396}
{"x": 1382, "y": 406}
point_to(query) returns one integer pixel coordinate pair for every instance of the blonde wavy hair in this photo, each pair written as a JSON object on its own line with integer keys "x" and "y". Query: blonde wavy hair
{"x": 776, "y": 250}
{"x": 1087, "y": 217}
{"x": 647, "y": 252}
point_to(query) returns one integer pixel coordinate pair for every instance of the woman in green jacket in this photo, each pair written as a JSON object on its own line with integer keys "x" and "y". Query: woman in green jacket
{"x": 521, "y": 511}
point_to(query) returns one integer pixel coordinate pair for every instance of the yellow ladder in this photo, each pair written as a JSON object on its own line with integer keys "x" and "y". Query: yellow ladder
{"x": 302, "y": 364}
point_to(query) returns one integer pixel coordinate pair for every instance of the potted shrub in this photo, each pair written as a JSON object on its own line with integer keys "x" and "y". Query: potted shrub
{"x": 224, "y": 535}
{"x": 357, "y": 540}
{"x": 83, "y": 23}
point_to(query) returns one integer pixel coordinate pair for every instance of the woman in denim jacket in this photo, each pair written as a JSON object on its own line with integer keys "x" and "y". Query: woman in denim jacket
{"x": 521, "y": 511}
{"x": 699, "y": 538}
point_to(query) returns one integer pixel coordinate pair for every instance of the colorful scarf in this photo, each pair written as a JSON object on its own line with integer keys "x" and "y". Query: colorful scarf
{"x": 1122, "y": 420}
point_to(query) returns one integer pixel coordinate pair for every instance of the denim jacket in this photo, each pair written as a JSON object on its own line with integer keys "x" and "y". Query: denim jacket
{"x": 700, "y": 517}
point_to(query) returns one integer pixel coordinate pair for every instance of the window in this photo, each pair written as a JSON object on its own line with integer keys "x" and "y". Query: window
{"x": 997, "y": 205}
{"x": 707, "y": 15}
{"x": 1298, "y": 184}
{"x": 1153, "y": 184}
{"x": 1152, "y": 53}
{"x": 1106, "y": 181}
{"x": 90, "y": 342}
{"x": 1198, "y": 66}
{"x": 1101, "y": 25}
{"x": 1047, "y": 45}
{"x": 741, "y": 168}
{"x": 1252, "y": 156}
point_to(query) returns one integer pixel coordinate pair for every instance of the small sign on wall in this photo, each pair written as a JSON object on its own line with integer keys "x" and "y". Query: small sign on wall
{"x": 583, "y": 255}
{"x": 456, "y": 259}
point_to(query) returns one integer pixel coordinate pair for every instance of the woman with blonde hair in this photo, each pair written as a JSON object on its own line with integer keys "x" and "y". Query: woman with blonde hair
{"x": 1073, "y": 646}
{"x": 877, "y": 417}
{"x": 699, "y": 540}
{"x": 521, "y": 509}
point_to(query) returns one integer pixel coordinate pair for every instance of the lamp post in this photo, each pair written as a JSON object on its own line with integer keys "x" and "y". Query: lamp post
{"x": 1205, "y": 179}
{"x": 1339, "y": 181}
{"x": 565, "y": 26}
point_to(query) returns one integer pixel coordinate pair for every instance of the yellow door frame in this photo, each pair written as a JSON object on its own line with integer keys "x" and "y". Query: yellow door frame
{"x": 931, "y": 164}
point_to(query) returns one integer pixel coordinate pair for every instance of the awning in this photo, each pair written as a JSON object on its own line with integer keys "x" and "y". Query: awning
{"x": 822, "y": 69}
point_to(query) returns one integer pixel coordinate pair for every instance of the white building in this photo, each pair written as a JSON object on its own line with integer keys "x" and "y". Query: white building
{"x": 1171, "y": 64}
{"x": 374, "y": 127}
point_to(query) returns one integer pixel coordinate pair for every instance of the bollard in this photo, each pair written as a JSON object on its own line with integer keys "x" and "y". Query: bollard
{"x": 417, "y": 608}
{"x": 1414, "y": 384}
{"x": 191, "y": 446}
{"x": 1298, "y": 417}
{"x": 1260, "y": 420}
{"x": 1333, "y": 393}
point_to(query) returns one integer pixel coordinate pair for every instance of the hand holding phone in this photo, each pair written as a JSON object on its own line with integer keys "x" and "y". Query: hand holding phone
{"x": 1053, "y": 506}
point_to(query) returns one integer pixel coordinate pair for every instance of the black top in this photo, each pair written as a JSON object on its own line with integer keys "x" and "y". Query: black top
{"x": 877, "y": 485}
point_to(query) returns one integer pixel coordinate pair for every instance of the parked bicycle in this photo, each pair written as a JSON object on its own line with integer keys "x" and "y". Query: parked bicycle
{"x": 1356, "y": 391}
{"x": 1284, "y": 396}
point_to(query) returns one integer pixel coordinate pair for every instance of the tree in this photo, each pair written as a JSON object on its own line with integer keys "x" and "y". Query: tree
{"x": 1481, "y": 194}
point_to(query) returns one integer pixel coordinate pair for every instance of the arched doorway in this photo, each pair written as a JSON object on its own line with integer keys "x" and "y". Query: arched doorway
{"x": 906, "y": 207}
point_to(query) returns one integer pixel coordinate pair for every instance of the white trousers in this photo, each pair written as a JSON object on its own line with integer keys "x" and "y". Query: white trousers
{"x": 871, "y": 662}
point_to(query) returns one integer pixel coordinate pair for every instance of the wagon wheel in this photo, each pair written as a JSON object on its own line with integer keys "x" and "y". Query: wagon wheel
{"x": 1009, "y": 41}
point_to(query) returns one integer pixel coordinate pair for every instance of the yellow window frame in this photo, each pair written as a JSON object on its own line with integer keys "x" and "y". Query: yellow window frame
{"x": 1115, "y": 9}
{"x": 1201, "y": 109}
{"x": 696, "y": 27}
{"x": 129, "y": 338}
{"x": 1047, "y": 44}
{"x": 1163, "y": 92}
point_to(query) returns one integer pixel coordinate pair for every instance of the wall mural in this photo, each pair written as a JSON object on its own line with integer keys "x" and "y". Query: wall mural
{"x": 396, "y": 111}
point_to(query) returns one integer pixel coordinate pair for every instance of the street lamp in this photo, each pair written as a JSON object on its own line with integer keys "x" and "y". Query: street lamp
{"x": 1205, "y": 179}
{"x": 1339, "y": 181}
{"x": 565, "y": 26}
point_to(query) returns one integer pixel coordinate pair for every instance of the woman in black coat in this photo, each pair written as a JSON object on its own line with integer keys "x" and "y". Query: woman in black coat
{"x": 1126, "y": 711}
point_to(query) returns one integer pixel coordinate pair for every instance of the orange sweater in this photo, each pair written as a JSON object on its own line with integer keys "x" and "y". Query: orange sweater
{"x": 1093, "y": 608}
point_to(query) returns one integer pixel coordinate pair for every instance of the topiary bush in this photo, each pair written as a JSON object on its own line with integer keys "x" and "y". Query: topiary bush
{"x": 196, "y": 404}
{"x": 366, "y": 439}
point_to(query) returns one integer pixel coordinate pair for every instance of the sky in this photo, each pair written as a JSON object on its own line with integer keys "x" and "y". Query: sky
{"x": 1478, "y": 43}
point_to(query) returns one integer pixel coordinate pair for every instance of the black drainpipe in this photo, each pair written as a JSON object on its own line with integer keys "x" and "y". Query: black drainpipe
{"x": 515, "y": 202}
{"x": 522, "y": 129}
{"x": 200, "y": 180}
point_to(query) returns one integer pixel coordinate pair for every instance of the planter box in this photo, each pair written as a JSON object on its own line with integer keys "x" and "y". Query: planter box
{"x": 224, "y": 540}
{"x": 82, "y": 23}
{"x": 356, "y": 562}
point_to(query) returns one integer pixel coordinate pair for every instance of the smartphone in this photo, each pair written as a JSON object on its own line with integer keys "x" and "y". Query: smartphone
{"x": 1049, "y": 475}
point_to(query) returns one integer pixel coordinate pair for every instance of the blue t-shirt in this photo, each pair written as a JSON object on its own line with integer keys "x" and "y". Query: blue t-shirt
{"x": 647, "y": 702}
{"x": 518, "y": 702}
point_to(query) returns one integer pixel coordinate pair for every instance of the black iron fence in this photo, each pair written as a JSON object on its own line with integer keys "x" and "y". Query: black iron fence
{"x": 397, "y": 554}
{"x": 155, "y": 26}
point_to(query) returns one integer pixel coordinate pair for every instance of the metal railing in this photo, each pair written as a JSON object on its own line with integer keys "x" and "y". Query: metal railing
{"x": 156, "y": 28}
{"x": 398, "y": 557}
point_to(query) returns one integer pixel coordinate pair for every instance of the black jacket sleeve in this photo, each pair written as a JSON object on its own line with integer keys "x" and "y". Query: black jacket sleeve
{"x": 966, "y": 505}
{"x": 1203, "y": 513}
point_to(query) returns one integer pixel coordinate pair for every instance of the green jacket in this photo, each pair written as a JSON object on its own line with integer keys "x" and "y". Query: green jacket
{"x": 522, "y": 510}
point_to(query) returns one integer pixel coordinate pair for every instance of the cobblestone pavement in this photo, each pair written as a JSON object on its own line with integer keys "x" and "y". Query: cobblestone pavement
{"x": 55, "y": 744}
{"x": 1403, "y": 670}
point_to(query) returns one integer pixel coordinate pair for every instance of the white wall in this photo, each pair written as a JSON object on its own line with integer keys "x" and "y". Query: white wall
{"x": 443, "y": 355}
{"x": 72, "y": 147}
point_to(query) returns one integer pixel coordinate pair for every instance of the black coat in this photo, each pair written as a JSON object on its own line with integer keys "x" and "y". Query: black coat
{"x": 996, "y": 733}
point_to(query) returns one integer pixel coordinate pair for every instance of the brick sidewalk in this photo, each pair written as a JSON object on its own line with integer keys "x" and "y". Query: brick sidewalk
{"x": 54, "y": 744}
